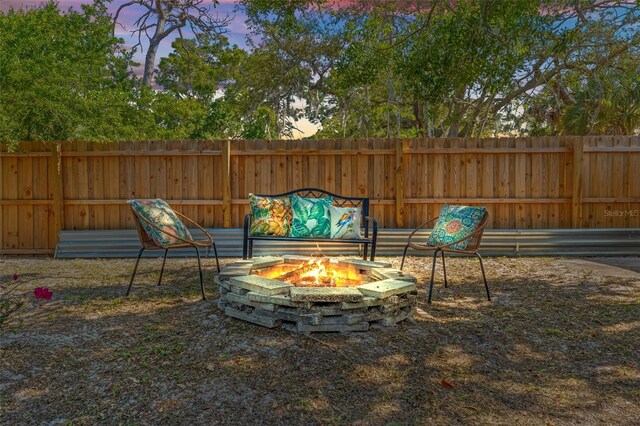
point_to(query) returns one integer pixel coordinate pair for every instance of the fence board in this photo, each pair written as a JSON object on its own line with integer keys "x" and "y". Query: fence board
{"x": 526, "y": 183}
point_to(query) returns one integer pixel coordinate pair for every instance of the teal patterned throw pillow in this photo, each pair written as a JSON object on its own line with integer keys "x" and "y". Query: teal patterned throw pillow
{"x": 345, "y": 222}
{"x": 454, "y": 223}
{"x": 311, "y": 218}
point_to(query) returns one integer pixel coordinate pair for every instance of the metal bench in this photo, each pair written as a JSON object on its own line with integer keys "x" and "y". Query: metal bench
{"x": 338, "y": 201}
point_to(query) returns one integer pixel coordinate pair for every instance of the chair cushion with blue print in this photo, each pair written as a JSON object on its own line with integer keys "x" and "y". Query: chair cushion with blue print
{"x": 454, "y": 223}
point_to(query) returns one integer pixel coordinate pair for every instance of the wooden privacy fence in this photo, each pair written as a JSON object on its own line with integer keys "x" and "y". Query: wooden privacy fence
{"x": 526, "y": 183}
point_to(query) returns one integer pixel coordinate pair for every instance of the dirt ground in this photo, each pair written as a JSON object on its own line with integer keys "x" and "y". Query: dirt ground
{"x": 559, "y": 344}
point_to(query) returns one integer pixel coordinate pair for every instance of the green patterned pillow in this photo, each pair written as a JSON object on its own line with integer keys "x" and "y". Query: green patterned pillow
{"x": 270, "y": 216}
{"x": 345, "y": 222}
{"x": 159, "y": 213}
{"x": 311, "y": 217}
{"x": 454, "y": 223}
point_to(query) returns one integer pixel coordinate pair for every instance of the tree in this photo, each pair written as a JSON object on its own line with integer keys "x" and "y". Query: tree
{"x": 162, "y": 18}
{"x": 295, "y": 46}
{"x": 213, "y": 73}
{"x": 63, "y": 76}
{"x": 199, "y": 69}
{"x": 439, "y": 68}
{"x": 606, "y": 102}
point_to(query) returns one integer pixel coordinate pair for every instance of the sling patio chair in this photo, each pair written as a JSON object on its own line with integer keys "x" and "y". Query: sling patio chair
{"x": 160, "y": 228}
{"x": 458, "y": 230}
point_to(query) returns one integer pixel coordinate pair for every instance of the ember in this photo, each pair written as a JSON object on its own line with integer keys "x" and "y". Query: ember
{"x": 316, "y": 273}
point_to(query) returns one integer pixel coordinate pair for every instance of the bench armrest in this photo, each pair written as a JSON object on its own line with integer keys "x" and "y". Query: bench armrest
{"x": 368, "y": 220}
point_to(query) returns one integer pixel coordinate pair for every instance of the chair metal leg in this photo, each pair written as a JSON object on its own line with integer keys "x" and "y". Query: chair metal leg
{"x": 444, "y": 269}
{"x": 403, "y": 256}
{"x": 135, "y": 268}
{"x": 433, "y": 270}
{"x": 365, "y": 251}
{"x": 250, "y": 256}
{"x": 164, "y": 260}
{"x": 204, "y": 297}
{"x": 484, "y": 277}
{"x": 215, "y": 253}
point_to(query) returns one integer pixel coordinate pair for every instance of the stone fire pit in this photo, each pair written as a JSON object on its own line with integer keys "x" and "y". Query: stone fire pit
{"x": 380, "y": 295}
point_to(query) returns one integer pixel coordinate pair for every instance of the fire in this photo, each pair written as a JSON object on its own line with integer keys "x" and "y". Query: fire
{"x": 316, "y": 273}
{"x": 319, "y": 273}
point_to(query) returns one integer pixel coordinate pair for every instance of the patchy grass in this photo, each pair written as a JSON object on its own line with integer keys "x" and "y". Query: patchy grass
{"x": 558, "y": 345}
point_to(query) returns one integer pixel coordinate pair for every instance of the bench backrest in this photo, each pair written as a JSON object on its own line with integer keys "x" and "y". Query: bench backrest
{"x": 338, "y": 200}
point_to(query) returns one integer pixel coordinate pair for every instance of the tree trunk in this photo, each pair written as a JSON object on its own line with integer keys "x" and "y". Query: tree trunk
{"x": 154, "y": 42}
{"x": 149, "y": 63}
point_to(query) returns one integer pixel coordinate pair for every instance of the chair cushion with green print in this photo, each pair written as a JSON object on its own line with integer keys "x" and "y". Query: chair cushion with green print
{"x": 311, "y": 217}
{"x": 454, "y": 223}
{"x": 270, "y": 216}
{"x": 159, "y": 213}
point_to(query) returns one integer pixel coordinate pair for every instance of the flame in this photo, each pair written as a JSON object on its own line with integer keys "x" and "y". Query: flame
{"x": 319, "y": 273}
{"x": 327, "y": 273}
{"x": 323, "y": 273}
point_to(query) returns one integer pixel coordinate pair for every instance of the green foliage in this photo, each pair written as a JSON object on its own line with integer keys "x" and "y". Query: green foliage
{"x": 61, "y": 75}
{"x": 198, "y": 69}
{"x": 219, "y": 77}
{"x": 470, "y": 68}
{"x": 606, "y": 102}
{"x": 370, "y": 69}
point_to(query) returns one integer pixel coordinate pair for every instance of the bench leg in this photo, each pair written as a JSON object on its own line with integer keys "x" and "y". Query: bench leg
{"x": 245, "y": 248}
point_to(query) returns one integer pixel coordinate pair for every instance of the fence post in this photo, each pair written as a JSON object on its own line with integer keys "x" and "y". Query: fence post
{"x": 56, "y": 192}
{"x": 578, "y": 184}
{"x": 400, "y": 170}
{"x": 226, "y": 183}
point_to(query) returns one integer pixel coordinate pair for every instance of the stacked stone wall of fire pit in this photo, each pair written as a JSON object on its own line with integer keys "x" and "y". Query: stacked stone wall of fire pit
{"x": 387, "y": 298}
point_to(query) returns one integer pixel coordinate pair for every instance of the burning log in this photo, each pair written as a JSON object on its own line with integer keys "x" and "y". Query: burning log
{"x": 297, "y": 273}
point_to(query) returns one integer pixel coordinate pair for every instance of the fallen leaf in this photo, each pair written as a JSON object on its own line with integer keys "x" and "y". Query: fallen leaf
{"x": 446, "y": 384}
